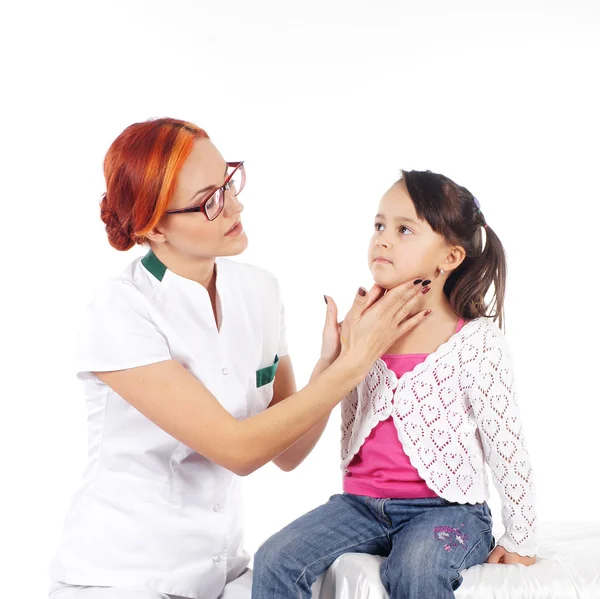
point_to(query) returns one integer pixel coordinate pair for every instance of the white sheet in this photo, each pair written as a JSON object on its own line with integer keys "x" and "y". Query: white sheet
{"x": 568, "y": 567}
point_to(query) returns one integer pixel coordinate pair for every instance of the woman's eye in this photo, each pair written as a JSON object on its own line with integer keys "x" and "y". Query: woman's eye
{"x": 378, "y": 227}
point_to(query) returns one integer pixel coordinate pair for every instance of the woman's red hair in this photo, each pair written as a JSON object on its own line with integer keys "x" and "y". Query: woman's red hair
{"x": 141, "y": 169}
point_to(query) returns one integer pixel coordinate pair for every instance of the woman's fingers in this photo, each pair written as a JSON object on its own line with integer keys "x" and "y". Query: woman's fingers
{"x": 408, "y": 304}
{"x": 374, "y": 321}
{"x": 332, "y": 311}
{"x": 410, "y": 323}
{"x": 363, "y": 300}
{"x": 330, "y": 345}
{"x": 393, "y": 305}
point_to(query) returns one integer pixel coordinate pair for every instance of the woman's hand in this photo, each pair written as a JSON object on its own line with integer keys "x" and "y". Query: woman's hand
{"x": 377, "y": 319}
{"x": 501, "y": 556}
{"x": 330, "y": 346}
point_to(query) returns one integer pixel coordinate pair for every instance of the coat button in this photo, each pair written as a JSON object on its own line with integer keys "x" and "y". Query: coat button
{"x": 217, "y": 508}
{"x": 216, "y": 558}
{"x": 225, "y": 371}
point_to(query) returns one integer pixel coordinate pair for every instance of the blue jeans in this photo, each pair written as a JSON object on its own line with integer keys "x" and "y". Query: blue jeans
{"x": 426, "y": 543}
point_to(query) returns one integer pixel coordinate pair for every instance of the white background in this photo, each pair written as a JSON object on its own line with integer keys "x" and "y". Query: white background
{"x": 325, "y": 101}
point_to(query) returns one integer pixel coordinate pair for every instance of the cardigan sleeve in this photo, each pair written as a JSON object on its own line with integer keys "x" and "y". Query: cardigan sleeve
{"x": 349, "y": 408}
{"x": 494, "y": 402}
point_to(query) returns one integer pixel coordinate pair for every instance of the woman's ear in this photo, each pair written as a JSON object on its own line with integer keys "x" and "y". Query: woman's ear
{"x": 156, "y": 235}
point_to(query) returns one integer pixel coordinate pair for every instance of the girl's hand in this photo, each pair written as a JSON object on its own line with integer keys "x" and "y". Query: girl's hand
{"x": 330, "y": 347}
{"x": 501, "y": 556}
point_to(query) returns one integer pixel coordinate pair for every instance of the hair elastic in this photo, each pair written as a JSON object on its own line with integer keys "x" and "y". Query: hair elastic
{"x": 479, "y": 210}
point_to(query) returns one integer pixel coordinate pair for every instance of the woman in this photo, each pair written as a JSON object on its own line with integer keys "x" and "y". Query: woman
{"x": 180, "y": 357}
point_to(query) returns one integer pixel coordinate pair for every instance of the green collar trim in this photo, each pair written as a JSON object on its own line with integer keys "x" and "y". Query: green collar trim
{"x": 154, "y": 265}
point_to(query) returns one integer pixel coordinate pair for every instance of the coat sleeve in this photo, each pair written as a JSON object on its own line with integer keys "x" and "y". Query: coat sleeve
{"x": 117, "y": 332}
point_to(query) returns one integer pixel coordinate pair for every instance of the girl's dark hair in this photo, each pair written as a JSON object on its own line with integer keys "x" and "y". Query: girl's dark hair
{"x": 452, "y": 212}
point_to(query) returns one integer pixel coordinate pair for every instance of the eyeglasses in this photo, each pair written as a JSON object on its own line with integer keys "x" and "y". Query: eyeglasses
{"x": 213, "y": 205}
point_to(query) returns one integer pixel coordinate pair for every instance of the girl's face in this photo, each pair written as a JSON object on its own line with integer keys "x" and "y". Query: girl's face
{"x": 403, "y": 246}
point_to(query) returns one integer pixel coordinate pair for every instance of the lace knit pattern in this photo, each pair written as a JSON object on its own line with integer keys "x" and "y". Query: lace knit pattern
{"x": 454, "y": 412}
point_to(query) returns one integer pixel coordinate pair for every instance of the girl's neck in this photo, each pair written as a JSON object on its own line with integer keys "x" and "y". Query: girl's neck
{"x": 435, "y": 330}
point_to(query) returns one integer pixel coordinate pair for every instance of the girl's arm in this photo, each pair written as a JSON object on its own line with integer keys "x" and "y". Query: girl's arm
{"x": 498, "y": 418}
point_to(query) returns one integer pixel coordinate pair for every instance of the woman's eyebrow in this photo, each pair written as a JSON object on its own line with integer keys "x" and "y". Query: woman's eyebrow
{"x": 205, "y": 189}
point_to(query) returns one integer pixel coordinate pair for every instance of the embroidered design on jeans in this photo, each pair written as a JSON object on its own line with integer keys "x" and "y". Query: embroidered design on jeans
{"x": 450, "y": 537}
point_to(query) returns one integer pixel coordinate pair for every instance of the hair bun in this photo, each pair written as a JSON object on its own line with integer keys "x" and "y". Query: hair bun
{"x": 118, "y": 236}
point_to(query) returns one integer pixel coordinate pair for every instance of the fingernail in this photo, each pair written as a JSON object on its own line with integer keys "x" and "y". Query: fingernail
{"x": 425, "y": 290}
{"x": 362, "y": 292}
{"x": 428, "y": 313}
{"x": 417, "y": 281}
{"x": 325, "y": 298}
{"x": 425, "y": 283}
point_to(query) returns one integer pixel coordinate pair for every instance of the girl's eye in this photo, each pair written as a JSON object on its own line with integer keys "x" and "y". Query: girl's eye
{"x": 403, "y": 228}
{"x": 377, "y": 227}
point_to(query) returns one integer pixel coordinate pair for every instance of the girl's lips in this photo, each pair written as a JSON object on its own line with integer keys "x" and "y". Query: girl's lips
{"x": 382, "y": 261}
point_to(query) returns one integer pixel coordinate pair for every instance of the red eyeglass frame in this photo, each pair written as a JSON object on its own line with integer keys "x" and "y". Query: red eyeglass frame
{"x": 223, "y": 188}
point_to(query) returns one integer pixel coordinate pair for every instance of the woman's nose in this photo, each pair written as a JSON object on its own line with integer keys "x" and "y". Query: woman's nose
{"x": 232, "y": 204}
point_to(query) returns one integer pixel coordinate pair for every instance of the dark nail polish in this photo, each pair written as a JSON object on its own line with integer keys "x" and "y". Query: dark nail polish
{"x": 362, "y": 292}
{"x": 325, "y": 298}
{"x": 426, "y": 290}
{"x": 425, "y": 283}
{"x": 417, "y": 281}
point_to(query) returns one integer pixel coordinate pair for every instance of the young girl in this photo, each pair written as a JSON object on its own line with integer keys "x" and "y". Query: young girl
{"x": 417, "y": 431}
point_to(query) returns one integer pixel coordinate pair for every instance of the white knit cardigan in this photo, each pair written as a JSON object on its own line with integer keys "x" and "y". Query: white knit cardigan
{"x": 454, "y": 412}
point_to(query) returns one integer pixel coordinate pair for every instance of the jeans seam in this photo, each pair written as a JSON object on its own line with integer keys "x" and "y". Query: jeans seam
{"x": 345, "y": 550}
{"x": 469, "y": 553}
{"x": 385, "y": 573}
{"x": 384, "y": 515}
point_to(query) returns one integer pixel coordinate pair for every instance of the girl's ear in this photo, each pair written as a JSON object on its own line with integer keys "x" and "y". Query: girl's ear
{"x": 454, "y": 259}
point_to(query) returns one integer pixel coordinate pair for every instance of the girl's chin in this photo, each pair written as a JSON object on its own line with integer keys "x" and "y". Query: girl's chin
{"x": 385, "y": 282}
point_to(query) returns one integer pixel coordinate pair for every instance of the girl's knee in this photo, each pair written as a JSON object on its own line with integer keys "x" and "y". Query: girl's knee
{"x": 275, "y": 552}
{"x": 268, "y": 553}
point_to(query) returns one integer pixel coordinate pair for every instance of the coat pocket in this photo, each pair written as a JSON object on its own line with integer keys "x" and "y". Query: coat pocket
{"x": 265, "y": 378}
{"x": 266, "y": 375}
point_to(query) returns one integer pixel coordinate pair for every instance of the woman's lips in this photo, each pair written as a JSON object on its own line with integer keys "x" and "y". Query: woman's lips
{"x": 235, "y": 230}
{"x": 382, "y": 261}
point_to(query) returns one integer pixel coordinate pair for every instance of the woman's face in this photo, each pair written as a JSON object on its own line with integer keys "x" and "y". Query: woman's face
{"x": 192, "y": 233}
{"x": 403, "y": 246}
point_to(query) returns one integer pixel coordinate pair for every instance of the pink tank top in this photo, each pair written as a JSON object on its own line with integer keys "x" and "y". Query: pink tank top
{"x": 381, "y": 468}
